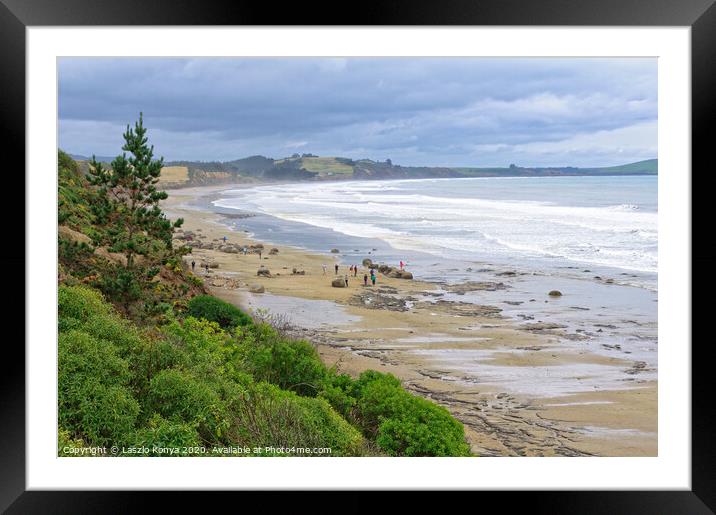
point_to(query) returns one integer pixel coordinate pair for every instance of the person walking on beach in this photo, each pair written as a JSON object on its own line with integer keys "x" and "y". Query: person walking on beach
{"x": 206, "y": 265}
{"x": 365, "y": 279}
{"x": 260, "y": 254}
{"x": 355, "y": 270}
{"x": 193, "y": 264}
{"x": 350, "y": 269}
{"x": 324, "y": 268}
{"x": 346, "y": 277}
{"x": 336, "y": 269}
{"x": 401, "y": 264}
{"x": 225, "y": 238}
{"x": 372, "y": 276}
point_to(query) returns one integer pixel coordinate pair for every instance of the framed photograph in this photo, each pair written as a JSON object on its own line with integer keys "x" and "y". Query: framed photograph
{"x": 440, "y": 248}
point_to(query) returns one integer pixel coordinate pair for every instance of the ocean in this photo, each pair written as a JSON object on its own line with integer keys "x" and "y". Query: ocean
{"x": 545, "y": 224}
{"x": 595, "y": 239}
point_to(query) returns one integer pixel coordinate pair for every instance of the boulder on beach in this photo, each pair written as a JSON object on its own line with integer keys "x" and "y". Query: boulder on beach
{"x": 338, "y": 282}
{"x": 555, "y": 293}
{"x": 257, "y": 288}
{"x": 335, "y": 251}
{"x": 263, "y": 272}
{"x": 399, "y": 274}
{"x": 368, "y": 262}
{"x": 296, "y": 271}
{"x": 273, "y": 251}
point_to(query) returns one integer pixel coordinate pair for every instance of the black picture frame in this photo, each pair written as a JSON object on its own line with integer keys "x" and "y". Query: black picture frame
{"x": 700, "y": 15}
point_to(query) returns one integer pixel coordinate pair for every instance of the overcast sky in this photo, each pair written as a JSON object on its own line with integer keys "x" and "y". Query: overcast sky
{"x": 415, "y": 111}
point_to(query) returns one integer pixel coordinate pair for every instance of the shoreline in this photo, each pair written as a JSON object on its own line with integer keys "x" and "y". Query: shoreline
{"x": 510, "y": 383}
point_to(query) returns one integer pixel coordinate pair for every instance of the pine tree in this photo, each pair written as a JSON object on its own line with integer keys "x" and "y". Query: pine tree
{"x": 127, "y": 213}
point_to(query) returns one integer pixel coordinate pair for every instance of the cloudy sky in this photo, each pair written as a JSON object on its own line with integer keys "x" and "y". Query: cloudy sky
{"x": 415, "y": 111}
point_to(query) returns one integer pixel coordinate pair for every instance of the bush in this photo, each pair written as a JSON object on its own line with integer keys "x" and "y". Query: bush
{"x": 162, "y": 433}
{"x": 83, "y": 308}
{"x": 401, "y": 424}
{"x": 65, "y": 444}
{"x": 291, "y": 364}
{"x": 216, "y": 310}
{"x": 93, "y": 398}
{"x": 179, "y": 397}
{"x": 271, "y": 417}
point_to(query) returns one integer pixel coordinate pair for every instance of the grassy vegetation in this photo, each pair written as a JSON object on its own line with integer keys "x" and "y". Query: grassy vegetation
{"x": 649, "y": 166}
{"x": 174, "y": 175}
{"x": 215, "y": 310}
{"x": 148, "y": 362}
{"x": 326, "y": 166}
{"x": 190, "y": 383}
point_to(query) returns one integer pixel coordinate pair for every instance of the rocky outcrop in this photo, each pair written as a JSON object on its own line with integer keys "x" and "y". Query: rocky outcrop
{"x": 338, "y": 282}
{"x": 335, "y": 251}
{"x": 376, "y": 300}
{"x": 264, "y": 272}
{"x": 461, "y": 308}
{"x": 542, "y": 326}
{"x": 555, "y": 293}
{"x": 257, "y": 288}
{"x": 273, "y": 251}
{"x": 367, "y": 262}
{"x": 469, "y": 286}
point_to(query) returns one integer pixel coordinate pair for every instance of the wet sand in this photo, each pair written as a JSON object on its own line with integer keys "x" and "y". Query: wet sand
{"x": 520, "y": 389}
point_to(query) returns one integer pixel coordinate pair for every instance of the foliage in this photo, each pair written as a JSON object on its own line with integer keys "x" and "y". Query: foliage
{"x": 272, "y": 417}
{"x": 190, "y": 382}
{"x": 165, "y": 434}
{"x": 127, "y": 206}
{"x": 181, "y": 385}
{"x": 291, "y": 364}
{"x": 141, "y": 288}
{"x": 92, "y": 388}
{"x": 66, "y": 443}
{"x": 216, "y": 310}
{"x": 73, "y": 196}
{"x": 179, "y": 396}
{"x": 401, "y": 424}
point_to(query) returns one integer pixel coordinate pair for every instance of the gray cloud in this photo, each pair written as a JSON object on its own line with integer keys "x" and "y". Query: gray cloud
{"x": 448, "y": 111}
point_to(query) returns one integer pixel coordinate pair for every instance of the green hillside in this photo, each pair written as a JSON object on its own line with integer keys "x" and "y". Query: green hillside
{"x": 648, "y": 167}
{"x": 299, "y": 167}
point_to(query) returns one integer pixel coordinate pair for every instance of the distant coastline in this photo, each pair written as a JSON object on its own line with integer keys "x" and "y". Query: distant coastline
{"x": 312, "y": 168}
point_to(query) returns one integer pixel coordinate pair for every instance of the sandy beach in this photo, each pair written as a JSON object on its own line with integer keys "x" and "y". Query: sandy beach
{"x": 521, "y": 387}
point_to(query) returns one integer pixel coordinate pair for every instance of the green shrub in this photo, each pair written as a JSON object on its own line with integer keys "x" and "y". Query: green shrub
{"x": 80, "y": 303}
{"x": 65, "y": 444}
{"x": 400, "y": 424}
{"x": 216, "y": 310}
{"x": 271, "y": 417}
{"x": 178, "y": 396}
{"x": 84, "y": 308}
{"x": 291, "y": 364}
{"x": 92, "y": 389}
{"x": 162, "y": 433}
